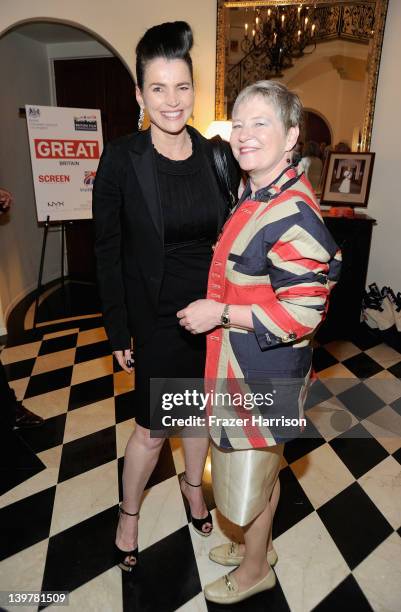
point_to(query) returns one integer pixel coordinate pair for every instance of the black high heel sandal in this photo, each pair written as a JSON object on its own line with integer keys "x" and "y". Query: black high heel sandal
{"x": 121, "y": 555}
{"x": 198, "y": 523}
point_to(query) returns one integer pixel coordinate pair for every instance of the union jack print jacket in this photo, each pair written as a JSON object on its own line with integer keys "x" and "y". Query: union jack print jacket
{"x": 275, "y": 254}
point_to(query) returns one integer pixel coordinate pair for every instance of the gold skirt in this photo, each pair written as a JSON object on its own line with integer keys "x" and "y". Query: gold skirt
{"x": 243, "y": 480}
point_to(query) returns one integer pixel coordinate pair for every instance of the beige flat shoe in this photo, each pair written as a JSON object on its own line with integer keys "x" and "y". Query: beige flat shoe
{"x": 225, "y": 589}
{"x": 228, "y": 554}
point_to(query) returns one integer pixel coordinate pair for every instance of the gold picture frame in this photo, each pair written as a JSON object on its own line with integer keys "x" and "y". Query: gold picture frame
{"x": 374, "y": 58}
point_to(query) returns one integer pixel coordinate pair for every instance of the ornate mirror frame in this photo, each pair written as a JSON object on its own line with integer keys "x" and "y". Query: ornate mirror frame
{"x": 374, "y": 63}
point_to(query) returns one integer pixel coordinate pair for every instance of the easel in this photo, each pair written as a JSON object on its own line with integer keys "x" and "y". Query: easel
{"x": 59, "y": 226}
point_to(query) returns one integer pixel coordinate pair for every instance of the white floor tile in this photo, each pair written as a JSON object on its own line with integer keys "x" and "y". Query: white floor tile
{"x": 88, "y": 419}
{"x": 331, "y": 418}
{"x": 24, "y": 572}
{"x": 103, "y": 593}
{"x": 385, "y": 426}
{"x": 379, "y": 575}
{"x": 383, "y": 485}
{"x": 310, "y": 565}
{"x": 162, "y": 512}
{"x": 96, "y": 491}
{"x": 322, "y": 474}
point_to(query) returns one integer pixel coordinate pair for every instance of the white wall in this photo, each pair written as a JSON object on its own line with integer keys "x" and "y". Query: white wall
{"x": 119, "y": 24}
{"x": 24, "y": 79}
{"x": 385, "y": 194}
{"x": 341, "y": 101}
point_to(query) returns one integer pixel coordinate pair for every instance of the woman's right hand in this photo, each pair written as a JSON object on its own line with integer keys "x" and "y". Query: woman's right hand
{"x": 124, "y": 357}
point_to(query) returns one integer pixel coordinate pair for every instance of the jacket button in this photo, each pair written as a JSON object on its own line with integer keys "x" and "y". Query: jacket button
{"x": 292, "y": 336}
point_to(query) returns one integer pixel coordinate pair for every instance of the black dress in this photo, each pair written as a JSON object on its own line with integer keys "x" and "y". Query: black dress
{"x": 190, "y": 219}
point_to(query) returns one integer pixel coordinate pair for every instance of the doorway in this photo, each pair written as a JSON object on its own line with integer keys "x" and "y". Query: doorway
{"x": 316, "y": 128}
{"x": 89, "y": 73}
{"x": 98, "y": 83}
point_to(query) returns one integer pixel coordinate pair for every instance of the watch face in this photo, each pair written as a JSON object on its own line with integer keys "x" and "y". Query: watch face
{"x": 225, "y": 320}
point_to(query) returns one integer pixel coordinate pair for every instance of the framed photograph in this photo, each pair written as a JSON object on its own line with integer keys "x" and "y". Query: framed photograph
{"x": 347, "y": 179}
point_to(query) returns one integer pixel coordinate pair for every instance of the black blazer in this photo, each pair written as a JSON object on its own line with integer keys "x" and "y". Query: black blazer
{"x": 129, "y": 241}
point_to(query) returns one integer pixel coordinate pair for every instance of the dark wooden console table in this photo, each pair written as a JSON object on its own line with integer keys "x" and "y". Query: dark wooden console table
{"x": 353, "y": 236}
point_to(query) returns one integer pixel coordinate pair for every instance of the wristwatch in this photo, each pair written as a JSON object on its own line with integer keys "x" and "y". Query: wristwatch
{"x": 225, "y": 317}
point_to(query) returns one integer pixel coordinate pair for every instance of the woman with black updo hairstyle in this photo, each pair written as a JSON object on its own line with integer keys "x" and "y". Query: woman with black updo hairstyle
{"x": 158, "y": 207}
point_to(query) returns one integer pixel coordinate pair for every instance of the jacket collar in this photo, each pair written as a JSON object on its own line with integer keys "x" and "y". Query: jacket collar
{"x": 140, "y": 142}
{"x": 142, "y": 158}
{"x": 288, "y": 177}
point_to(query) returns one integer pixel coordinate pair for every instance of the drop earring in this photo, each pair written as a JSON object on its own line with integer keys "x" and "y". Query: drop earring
{"x": 141, "y": 118}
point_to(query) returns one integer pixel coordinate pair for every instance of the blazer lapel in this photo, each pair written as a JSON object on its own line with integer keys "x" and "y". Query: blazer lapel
{"x": 141, "y": 154}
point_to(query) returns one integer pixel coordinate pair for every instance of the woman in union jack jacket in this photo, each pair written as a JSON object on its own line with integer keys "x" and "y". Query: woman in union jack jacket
{"x": 272, "y": 271}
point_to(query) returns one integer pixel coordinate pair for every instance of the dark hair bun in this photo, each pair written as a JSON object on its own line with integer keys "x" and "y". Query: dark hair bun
{"x": 171, "y": 40}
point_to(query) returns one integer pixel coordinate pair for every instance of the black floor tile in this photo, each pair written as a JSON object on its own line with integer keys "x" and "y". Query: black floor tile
{"x": 164, "y": 581}
{"x": 355, "y": 524}
{"x": 81, "y": 552}
{"x": 308, "y": 440}
{"x": 322, "y": 359}
{"x": 317, "y": 394}
{"x": 397, "y": 455}
{"x": 360, "y": 401}
{"x": 87, "y": 453}
{"x": 22, "y": 336}
{"x": 20, "y": 369}
{"x": 18, "y": 462}
{"x": 92, "y": 351}
{"x": 362, "y": 365}
{"x": 125, "y": 406}
{"x": 358, "y": 450}
{"x": 397, "y": 405}
{"x": 165, "y": 467}
{"x": 91, "y": 391}
{"x": 49, "y": 381}
{"x": 61, "y": 343}
{"x": 293, "y": 505}
{"x": 71, "y": 300}
{"x": 26, "y": 522}
{"x": 50, "y": 434}
{"x": 364, "y": 338}
{"x": 396, "y": 369}
{"x": 347, "y": 593}
{"x": 91, "y": 323}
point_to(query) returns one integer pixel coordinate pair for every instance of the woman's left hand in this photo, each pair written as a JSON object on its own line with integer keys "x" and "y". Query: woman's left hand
{"x": 200, "y": 316}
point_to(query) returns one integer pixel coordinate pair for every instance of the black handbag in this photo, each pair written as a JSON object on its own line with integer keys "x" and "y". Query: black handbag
{"x": 227, "y": 169}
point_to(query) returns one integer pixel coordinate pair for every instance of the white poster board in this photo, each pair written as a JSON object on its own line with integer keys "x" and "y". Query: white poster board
{"x": 65, "y": 145}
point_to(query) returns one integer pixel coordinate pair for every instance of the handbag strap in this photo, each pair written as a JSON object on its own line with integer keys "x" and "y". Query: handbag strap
{"x": 224, "y": 169}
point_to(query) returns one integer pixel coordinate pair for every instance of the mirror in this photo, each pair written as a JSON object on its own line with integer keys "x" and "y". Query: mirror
{"x": 328, "y": 52}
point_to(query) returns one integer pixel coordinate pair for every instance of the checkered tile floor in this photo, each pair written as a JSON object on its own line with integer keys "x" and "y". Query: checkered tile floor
{"x": 337, "y": 529}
